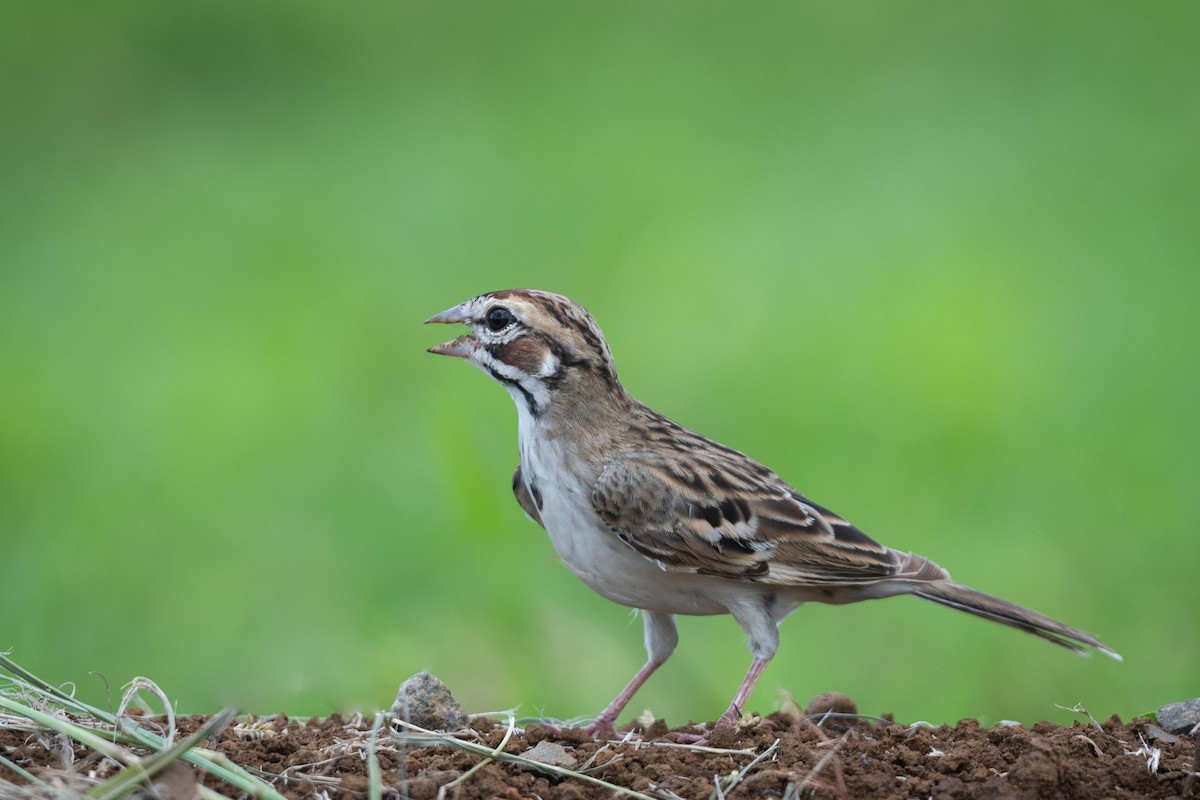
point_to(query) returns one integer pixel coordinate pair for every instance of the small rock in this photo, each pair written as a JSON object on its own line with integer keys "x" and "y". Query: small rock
{"x": 551, "y": 753}
{"x": 830, "y": 703}
{"x": 1159, "y": 735}
{"x": 425, "y": 701}
{"x": 1179, "y": 717}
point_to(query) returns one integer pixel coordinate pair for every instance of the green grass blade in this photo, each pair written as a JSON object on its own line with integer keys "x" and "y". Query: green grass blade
{"x": 79, "y": 734}
{"x": 216, "y": 764}
{"x": 375, "y": 785}
{"x": 147, "y": 768}
{"x": 18, "y": 769}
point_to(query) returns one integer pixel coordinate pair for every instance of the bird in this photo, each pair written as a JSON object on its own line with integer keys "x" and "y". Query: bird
{"x": 654, "y": 516}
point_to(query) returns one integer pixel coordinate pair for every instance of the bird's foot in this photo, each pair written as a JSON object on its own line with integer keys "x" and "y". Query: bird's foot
{"x": 601, "y": 729}
{"x": 732, "y": 718}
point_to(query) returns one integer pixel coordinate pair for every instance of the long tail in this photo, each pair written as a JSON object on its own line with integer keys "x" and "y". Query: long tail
{"x": 964, "y": 598}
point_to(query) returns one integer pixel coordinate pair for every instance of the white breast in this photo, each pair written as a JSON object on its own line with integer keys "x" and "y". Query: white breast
{"x": 590, "y": 549}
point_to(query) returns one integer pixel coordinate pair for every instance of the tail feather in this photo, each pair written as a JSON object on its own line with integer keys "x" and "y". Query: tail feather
{"x": 953, "y": 595}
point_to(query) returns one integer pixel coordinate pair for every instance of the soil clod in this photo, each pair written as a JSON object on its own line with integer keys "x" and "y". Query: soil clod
{"x": 783, "y": 756}
{"x": 425, "y": 701}
{"x": 830, "y": 703}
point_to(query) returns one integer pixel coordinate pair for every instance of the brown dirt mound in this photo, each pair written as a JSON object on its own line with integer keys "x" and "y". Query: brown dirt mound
{"x": 859, "y": 761}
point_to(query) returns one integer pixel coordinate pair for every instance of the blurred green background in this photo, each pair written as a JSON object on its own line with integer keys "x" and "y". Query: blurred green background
{"x": 938, "y": 264}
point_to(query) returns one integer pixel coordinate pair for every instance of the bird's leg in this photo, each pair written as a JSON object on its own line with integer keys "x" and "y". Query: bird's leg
{"x": 603, "y": 726}
{"x": 734, "y": 712}
{"x": 661, "y": 638}
{"x": 759, "y": 622}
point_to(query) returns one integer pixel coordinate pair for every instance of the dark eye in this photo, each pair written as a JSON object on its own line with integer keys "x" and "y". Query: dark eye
{"x": 499, "y": 318}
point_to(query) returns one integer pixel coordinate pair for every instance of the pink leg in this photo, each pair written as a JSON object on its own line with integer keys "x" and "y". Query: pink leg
{"x": 734, "y": 712}
{"x": 604, "y": 723}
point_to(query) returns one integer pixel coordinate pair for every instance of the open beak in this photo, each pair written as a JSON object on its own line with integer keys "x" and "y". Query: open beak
{"x": 450, "y": 315}
{"x": 463, "y": 346}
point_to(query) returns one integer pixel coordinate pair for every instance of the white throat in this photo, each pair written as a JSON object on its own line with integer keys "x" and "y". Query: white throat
{"x": 530, "y": 436}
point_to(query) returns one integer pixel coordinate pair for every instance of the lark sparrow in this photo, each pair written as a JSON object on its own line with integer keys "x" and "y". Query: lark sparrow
{"x": 654, "y": 516}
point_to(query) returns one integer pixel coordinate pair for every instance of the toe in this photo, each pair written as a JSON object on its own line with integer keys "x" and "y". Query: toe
{"x": 601, "y": 730}
{"x": 729, "y": 719}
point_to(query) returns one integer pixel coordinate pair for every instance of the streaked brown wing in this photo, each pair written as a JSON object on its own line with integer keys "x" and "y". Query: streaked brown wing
{"x": 761, "y": 530}
{"x": 524, "y": 498}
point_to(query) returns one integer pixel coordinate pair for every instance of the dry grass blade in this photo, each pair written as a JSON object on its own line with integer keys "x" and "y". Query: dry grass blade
{"x": 794, "y": 791}
{"x": 727, "y": 784}
{"x": 811, "y": 778}
{"x": 136, "y": 686}
{"x": 512, "y": 726}
{"x": 103, "y": 722}
{"x": 146, "y": 768}
{"x": 1079, "y": 709}
{"x": 430, "y": 738}
{"x": 80, "y": 734}
{"x": 695, "y": 748}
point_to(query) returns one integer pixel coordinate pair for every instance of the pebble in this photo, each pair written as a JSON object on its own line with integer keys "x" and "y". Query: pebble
{"x": 551, "y": 753}
{"x": 1179, "y": 717}
{"x": 425, "y": 701}
{"x": 1159, "y": 735}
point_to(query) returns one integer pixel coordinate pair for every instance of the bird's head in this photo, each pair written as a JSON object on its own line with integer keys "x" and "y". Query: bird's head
{"x": 538, "y": 345}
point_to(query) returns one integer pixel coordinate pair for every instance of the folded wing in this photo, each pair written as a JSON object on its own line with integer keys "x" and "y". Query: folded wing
{"x": 697, "y": 518}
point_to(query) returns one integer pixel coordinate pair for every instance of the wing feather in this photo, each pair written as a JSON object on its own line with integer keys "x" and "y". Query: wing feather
{"x": 682, "y": 517}
{"x": 527, "y": 500}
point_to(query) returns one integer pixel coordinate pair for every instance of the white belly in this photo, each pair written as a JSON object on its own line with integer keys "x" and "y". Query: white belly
{"x": 617, "y": 571}
{"x": 601, "y": 560}
{"x": 596, "y": 554}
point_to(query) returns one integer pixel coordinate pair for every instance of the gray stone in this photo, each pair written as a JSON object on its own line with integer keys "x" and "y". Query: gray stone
{"x": 551, "y": 753}
{"x": 425, "y": 701}
{"x": 1179, "y": 717}
{"x": 1159, "y": 735}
